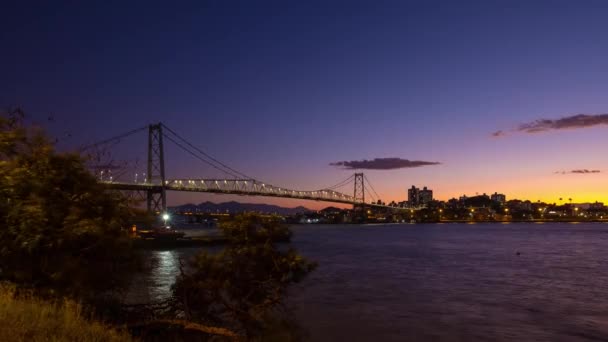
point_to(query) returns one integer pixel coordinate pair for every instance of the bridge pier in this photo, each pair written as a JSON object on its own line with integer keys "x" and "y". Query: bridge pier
{"x": 359, "y": 213}
{"x": 156, "y": 198}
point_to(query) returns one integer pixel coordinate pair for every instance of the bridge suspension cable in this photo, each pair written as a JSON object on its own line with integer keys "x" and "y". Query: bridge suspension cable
{"x": 232, "y": 172}
{"x": 200, "y": 158}
{"x": 370, "y": 194}
{"x": 114, "y": 138}
{"x": 371, "y": 186}
{"x": 340, "y": 184}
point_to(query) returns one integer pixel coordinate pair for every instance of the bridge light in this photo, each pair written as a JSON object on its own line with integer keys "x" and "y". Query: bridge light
{"x": 166, "y": 218}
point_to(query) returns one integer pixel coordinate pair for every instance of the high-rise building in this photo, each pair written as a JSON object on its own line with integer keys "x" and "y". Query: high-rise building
{"x": 416, "y": 196}
{"x": 413, "y": 197}
{"x": 500, "y": 198}
{"x": 425, "y": 196}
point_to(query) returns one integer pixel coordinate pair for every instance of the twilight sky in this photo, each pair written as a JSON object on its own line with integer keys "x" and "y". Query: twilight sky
{"x": 297, "y": 93}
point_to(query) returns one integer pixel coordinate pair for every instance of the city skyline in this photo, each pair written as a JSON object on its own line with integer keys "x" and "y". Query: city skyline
{"x": 463, "y": 98}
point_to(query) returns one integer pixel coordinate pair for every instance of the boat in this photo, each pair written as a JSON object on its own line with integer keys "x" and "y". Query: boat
{"x": 164, "y": 233}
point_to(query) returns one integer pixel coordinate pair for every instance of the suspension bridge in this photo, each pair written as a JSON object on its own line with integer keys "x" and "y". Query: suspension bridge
{"x": 155, "y": 184}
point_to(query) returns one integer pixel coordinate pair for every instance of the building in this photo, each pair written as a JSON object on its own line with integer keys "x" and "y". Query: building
{"x": 413, "y": 195}
{"x": 425, "y": 196}
{"x": 416, "y": 196}
{"x": 519, "y": 205}
{"x": 454, "y": 203}
{"x": 500, "y": 198}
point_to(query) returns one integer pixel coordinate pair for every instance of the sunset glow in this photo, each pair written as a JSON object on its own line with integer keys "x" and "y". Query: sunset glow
{"x": 462, "y": 99}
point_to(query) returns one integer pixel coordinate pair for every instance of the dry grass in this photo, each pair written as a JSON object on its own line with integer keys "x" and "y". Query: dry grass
{"x": 30, "y": 319}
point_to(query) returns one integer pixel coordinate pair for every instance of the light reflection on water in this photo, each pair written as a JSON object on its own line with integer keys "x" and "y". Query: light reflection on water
{"x": 448, "y": 282}
{"x": 162, "y": 268}
{"x": 165, "y": 272}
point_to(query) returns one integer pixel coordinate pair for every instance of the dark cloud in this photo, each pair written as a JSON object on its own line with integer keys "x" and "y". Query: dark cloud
{"x": 382, "y": 164}
{"x": 568, "y": 122}
{"x": 580, "y": 171}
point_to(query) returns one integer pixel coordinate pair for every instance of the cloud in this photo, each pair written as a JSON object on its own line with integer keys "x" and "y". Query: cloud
{"x": 382, "y": 164}
{"x": 568, "y": 122}
{"x": 579, "y": 171}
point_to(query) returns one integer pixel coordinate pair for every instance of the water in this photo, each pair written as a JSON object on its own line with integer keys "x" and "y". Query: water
{"x": 444, "y": 282}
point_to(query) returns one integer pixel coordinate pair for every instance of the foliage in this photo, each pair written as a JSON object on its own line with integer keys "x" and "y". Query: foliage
{"x": 243, "y": 287}
{"x": 26, "y": 318}
{"x": 60, "y": 231}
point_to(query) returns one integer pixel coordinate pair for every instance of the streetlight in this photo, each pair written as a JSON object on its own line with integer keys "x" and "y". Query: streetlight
{"x": 166, "y": 218}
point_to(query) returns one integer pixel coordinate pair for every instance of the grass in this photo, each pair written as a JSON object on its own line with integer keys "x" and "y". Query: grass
{"x": 25, "y": 318}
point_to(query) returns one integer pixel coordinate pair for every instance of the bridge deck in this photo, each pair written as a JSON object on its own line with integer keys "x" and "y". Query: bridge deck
{"x": 244, "y": 188}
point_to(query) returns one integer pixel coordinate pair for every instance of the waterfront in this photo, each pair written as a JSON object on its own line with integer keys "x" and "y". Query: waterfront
{"x": 452, "y": 282}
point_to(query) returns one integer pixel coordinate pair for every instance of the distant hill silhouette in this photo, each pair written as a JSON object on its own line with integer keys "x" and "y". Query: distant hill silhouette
{"x": 236, "y": 207}
{"x": 331, "y": 210}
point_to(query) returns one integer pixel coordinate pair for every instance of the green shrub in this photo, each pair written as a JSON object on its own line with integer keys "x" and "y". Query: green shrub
{"x": 61, "y": 232}
{"x": 244, "y": 287}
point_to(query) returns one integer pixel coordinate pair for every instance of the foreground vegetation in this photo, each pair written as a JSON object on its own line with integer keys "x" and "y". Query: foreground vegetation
{"x": 244, "y": 287}
{"x": 64, "y": 240}
{"x": 26, "y": 318}
{"x": 61, "y": 232}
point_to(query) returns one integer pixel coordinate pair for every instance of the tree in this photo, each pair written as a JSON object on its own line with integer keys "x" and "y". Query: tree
{"x": 61, "y": 232}
{"x": 243, "y": 287}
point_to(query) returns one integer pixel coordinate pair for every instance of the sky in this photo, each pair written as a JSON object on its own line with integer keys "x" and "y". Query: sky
{"x": 296, "y": 93}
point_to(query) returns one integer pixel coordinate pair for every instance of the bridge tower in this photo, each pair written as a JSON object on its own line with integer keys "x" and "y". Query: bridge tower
{"x": 359, "y": 206}
{"x": 156, "y": 196}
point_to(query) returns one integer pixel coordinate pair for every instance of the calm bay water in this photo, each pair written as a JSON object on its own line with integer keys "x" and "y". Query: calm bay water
{"x": 443, "y": 282}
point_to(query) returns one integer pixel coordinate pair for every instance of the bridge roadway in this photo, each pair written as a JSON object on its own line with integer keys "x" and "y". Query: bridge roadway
{"x": 235, "y": 187}
{"x": 242, "y": 188}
